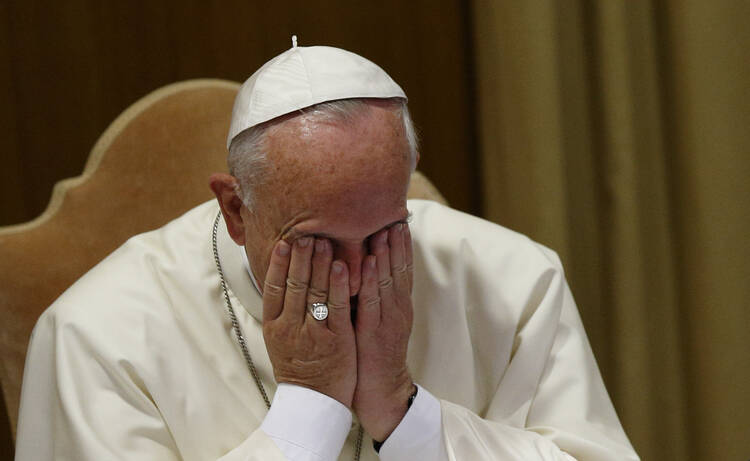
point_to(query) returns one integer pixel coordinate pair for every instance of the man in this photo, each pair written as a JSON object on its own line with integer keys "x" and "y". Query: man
{"x": 377, "y": 327}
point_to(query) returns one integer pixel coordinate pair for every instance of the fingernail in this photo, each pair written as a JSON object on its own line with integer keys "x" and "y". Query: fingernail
{"x": 282, "y": 248}
{"x": 400, "y": 227}
{"x": 320, "y": 246}
{"x": 337, "y": 267}
{"x": 371, "y": 262}
{"x": 303, "y": 242}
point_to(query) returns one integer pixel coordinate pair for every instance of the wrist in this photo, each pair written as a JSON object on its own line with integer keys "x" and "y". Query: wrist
{"x": 296, "y": 409}
{"x": 397, "y": 407}
{"x": 377, "y": 444}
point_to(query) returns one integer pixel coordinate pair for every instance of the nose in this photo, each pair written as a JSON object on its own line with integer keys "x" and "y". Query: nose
{"x": 352, "y": 255}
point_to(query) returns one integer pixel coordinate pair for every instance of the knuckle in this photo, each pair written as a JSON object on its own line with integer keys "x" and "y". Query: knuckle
{"x": 386, "y": 282}
{"x": 338, "y": 304}
{"x": 317, "y": 294}
{"x": 295, "y": 285}
{"x": 374, "y": 301}
{"x": 271, "y": 289}
{"x": 401, "y": 270}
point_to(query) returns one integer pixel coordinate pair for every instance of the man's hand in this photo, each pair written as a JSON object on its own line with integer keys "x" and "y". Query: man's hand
{"x": 317, "y": 354}
{"x": 383, "y": 326}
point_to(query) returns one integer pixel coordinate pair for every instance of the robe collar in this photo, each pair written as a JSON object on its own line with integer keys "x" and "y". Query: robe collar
{"x": 238, "y": 278}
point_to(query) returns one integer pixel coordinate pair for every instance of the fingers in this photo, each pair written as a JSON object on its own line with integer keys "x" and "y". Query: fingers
{"x": 319, "y": 279}
{"x": 297, "y": 280}
{"x": 368, "y": 309}
{"x": 387, "y": 276}
{"x": 380, "y": 248}
{"x": 399, "y": 268}
{"x": 275, "y": 284}
{"x": 299, "y": 275}
{"x": 321, "y": 267}
{"x": 339, "y": 311}
{"x": 409, "y": 258}
{"x": 392, "y": 274}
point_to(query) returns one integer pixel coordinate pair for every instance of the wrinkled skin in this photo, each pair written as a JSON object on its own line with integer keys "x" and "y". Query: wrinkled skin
{"x": 329, "y": 226}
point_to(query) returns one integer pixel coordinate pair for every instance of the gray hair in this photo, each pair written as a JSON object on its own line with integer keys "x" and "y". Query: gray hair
{"x": 248, "y": 161}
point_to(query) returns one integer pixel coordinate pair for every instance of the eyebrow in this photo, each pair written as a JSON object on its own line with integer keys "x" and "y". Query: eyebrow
{"x": 293, "y": 234}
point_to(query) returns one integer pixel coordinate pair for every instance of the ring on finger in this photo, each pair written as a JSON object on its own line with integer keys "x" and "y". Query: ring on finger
{"x": 319, "y": 311}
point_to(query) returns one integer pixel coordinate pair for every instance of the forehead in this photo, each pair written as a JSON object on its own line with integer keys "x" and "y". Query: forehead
{"x": 347, "y": 176}
{"x": 369, "y": 131}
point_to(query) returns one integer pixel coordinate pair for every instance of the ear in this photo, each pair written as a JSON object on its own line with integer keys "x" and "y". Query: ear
{"x": 224, "y": 187}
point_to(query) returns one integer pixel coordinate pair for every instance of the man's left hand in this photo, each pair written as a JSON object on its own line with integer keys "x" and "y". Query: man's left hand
{"x": 383, "y": 326}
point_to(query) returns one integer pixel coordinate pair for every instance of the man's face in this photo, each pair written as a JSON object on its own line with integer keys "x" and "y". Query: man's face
{"x": 343, "y": 181}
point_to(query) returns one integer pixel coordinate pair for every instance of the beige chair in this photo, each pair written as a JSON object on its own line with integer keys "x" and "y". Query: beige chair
{"x": 150, "y": 166}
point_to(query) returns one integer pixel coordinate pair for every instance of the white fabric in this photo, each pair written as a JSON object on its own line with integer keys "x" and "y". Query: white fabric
{"x": 137, "y": 360}
{"x": 420, "y": 433}
{"x": 303, "y": 76}
{"x": 288, "y": 424}
{"x": 307, "y": 425}
{"x": 297, "y": 415}
{"x": 246, "y": 265}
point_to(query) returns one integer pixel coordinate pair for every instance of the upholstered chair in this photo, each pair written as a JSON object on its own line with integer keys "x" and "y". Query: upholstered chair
{"x": 150, "y": 166}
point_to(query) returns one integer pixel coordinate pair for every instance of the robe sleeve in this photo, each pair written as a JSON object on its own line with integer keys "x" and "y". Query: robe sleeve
{"x": 77, "y": 404}
{"x": 551, "y": 403}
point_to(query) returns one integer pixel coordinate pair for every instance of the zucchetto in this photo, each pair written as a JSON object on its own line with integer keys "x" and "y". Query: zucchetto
{"x": 303, "y": 76}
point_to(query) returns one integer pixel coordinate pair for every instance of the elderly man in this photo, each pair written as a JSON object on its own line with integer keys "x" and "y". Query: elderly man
{"x": 318, "y": 315}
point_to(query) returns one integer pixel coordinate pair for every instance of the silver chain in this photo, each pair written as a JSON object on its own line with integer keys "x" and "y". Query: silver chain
{"x": 241, "y": 337}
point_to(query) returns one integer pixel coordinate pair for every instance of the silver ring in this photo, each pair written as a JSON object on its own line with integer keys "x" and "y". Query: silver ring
{"x": 319, "y": 311}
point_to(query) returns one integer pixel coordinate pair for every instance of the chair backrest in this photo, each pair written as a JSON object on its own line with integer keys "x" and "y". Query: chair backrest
{"x": 150, "y": 166}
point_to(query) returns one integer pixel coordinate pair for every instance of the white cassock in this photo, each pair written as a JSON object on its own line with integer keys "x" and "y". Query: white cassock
{"x": 138, "y": 360}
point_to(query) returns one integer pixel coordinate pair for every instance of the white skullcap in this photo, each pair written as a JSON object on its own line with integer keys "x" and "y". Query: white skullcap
{"x": 303, "y": 76}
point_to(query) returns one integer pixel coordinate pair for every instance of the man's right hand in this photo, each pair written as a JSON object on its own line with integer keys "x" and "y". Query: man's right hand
{"x": 317, "y": 354}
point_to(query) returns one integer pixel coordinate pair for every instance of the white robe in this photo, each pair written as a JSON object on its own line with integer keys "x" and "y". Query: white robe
{"x": 137, "y": 360}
